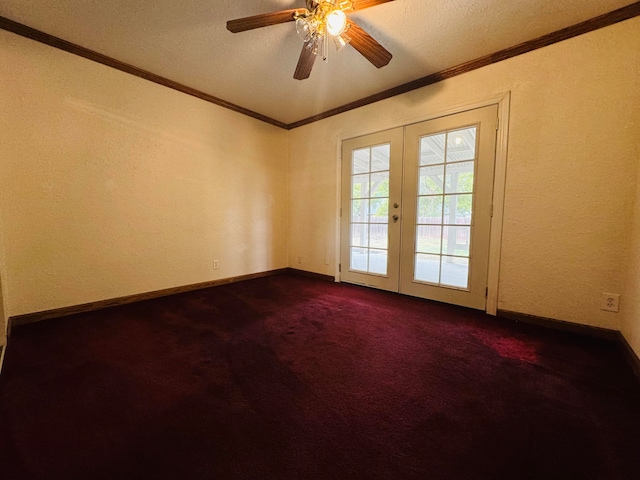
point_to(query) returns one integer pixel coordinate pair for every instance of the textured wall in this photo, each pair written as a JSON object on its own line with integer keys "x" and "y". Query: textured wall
{"x": 630, "y": 302}
{"x": 112, "y": 185}
{"x": 572, "y": 143}
{"x": 3, "y": 310}
{"x": 3, "y": 318}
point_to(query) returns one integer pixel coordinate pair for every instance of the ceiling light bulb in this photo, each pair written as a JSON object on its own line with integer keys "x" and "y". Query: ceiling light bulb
{"x": 336, "y": 22}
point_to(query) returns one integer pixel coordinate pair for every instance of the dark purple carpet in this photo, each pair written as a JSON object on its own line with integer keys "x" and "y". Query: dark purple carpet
{"x": 288, "y": 377}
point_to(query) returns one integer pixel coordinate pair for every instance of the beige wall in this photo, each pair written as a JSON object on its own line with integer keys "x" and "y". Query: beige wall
{"x": 3, "y": 322}
{"x": 573, "y": 140}
{"x": 630, "y": 302}
{"x": 3, "y": 317}
{"x": 112, "y": 185}
{"x": 3, "y": 311}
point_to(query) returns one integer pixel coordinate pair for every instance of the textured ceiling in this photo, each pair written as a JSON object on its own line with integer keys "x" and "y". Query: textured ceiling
{"x": 187, "y": 42}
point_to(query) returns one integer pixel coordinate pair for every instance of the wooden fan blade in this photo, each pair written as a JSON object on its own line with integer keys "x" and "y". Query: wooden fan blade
{"x": 305, "y": 64}
{"x": 263, "y": 20}
{"x": 367, "y": 46}
{"x": 360, "y": 4}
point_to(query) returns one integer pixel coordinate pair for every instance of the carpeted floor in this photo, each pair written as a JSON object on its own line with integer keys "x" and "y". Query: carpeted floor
{"x": 288, "y": 377}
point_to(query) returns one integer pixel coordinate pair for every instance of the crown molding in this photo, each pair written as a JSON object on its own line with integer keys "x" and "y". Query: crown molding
{"x": 59, "y": 43}
{"x": 596, "y": 23}
{"x": 581, "y": 28}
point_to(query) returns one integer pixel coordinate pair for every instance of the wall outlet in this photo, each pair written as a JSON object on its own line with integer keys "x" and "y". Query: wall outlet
{"x": 326, "y": 259}
{"x": 299, "y": 260}
{"x": 216, "y": 265}
{"x": 610, "y": 302}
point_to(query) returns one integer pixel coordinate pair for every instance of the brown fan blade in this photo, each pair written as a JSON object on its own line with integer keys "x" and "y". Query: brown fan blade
{"x": 367, "y": 46}
{"x": 360, "y": 4}
{"x": 263, "y": 20}
{"x": 305, "y": 64}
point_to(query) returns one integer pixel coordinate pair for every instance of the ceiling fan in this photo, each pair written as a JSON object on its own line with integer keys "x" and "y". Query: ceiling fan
{"x": 315, "y": 24}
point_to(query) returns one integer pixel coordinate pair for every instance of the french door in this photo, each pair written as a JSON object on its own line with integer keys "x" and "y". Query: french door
{"x": 416, "y": 208}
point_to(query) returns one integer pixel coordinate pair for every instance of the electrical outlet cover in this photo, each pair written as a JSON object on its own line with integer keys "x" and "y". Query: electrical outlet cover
{"x": 610, "y": 302}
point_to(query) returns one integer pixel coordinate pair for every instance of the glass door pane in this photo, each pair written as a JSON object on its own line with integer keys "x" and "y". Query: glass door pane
{"x": 370, "y": 209}
{"x": 445, "y": 198}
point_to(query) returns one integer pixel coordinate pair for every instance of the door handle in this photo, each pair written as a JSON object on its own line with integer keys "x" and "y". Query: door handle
{"x": 395, "y": 218}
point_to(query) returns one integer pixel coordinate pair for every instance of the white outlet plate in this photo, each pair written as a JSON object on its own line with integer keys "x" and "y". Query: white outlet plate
{"x": 610, "y": 302}
{"x": 216, "y": 265}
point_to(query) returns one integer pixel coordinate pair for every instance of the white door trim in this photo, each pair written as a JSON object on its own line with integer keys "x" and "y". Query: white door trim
{"x": 503, "y": 100}
{"x": 499, "y": 184}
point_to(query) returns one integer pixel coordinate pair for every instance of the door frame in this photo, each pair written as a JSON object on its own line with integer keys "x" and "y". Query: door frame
{"x": 503, "y": 101}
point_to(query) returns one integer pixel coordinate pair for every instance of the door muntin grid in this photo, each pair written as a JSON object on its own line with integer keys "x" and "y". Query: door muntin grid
{"x": 444, "y": 218}
{"x": 369, "y": 230}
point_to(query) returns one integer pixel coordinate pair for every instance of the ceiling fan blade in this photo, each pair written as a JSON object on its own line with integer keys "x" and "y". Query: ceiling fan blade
{"x": 367, "y": 46}
{"x": 305, "y": 64}
{"x": 263, "y": 20}
{"x": 360, "y": 4}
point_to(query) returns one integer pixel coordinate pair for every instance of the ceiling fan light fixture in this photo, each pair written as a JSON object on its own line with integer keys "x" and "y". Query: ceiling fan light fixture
{"x": 316, "y": 45}
{"x": 341, "y": 41}
{"x": 336, "y": 22}
{"x": 315, "y": 24}
{"x": 304, "y": 28}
